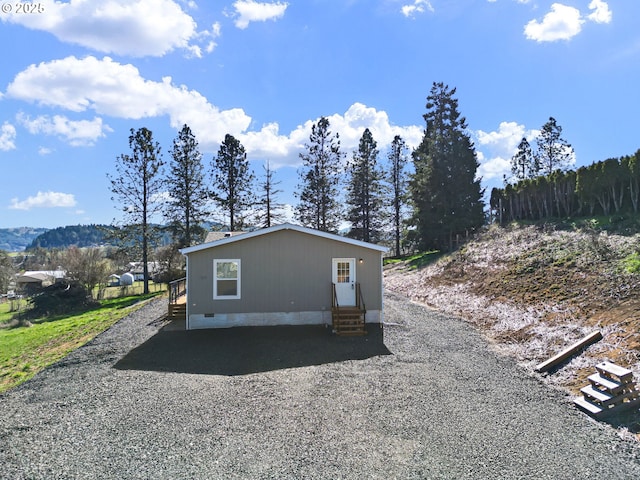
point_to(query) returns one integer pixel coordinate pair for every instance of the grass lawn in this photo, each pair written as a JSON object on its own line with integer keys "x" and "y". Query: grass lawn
{"x": 24, "y": 351}
{"x": 135, "y": 289}
{"x": 5, "y": 309}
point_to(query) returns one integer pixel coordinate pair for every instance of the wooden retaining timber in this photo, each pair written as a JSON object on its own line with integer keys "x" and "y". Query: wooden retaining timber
{"x": 610, "y": 390}
{"x": 568, "y": 352}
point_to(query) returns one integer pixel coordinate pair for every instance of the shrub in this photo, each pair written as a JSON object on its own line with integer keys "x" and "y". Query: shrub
{"x": 61, "y": 298}
{"x": 631, "y": 263}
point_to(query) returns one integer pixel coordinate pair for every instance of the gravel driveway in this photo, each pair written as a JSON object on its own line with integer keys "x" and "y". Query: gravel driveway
{"x": 430, "y": 400}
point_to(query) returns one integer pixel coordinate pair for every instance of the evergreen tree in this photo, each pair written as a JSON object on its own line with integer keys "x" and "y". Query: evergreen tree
{"x": 446, "y": 195}
{"x": 398, "y": 182}
{"x": 7, "y": 271}
{"x": 233, "y": 181}
{"x": 524, "y": 163}
{"x": 364, "y": 192}
{"x": 553, "y": 152}
{"x": 269, "y": 210}
{"x": 137, "y": 187}
{"x": 186, "y": 208}
{"x": 319, "y": 207}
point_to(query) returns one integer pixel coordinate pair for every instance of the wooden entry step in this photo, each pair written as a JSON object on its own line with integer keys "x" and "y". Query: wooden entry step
{"x": 348, "y": 321}
{"x": 177, "y": 311}
{"x": 610, "y": 390}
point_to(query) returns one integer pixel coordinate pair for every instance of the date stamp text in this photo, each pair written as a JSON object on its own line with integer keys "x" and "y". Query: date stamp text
{"x": 19, "y": 8}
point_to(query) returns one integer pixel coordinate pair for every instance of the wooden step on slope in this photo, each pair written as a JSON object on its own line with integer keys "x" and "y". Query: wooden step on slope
{"x": 601, "y": 382}
{"x": 612, "y": 370}
{"x": 610, "y": 390}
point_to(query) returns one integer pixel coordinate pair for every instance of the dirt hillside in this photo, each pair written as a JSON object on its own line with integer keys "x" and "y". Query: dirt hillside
{"x": 534, "y": 290}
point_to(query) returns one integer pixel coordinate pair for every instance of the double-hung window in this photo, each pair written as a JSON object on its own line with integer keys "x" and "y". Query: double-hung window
{"x": 226, "y": 279}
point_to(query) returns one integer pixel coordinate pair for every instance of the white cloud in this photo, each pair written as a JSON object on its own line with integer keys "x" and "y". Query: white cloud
{"x": 496, "y": 148}
{"x": 117, "y": 90}
{"x": 44, "y": 200}
{"x": 601, "y": 13}
{"x": 561, "y": 23}
{"x": 44, "y": 151}
{"x": 76, "y": 133}
{"x": 284, "y": 149}
{"x": 418, "y": 6}
{"x": 248, "y": 11}
{"x": 564, "y": 22}
{"x": 126, "y": 27}
{"x": 208, "y": 39}
{"x": 7, "y": 137}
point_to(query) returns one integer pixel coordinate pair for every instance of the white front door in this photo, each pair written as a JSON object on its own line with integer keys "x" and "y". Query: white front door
{"x": 344, "y": 278}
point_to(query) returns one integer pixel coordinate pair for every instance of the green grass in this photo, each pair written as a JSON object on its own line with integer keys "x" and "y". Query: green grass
{"x": 422, "y": 259}
{"x": 417, "y": 260}
{"x": 631, "y": 263}
{"x": 24, "y": 351}
{"x": 135, "y": 289}
{"x": 5, "y": 309}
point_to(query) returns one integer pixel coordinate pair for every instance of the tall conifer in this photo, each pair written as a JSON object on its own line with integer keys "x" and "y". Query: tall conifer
{"x": 445, "y": 192}
{"x": 233, "y": 181}
{"x": 364, "y": 192}
{"x": 186, "y": 207}
{"x": 318, "y": 205}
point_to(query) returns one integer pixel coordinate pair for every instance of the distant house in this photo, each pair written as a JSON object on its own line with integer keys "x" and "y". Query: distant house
{"x": 284, "y": 275}
{"x": 114, "y": 280}
{"x": 213, "y": 236}
{"x": 137, "y": 269}
{"x": 34, "y": 279}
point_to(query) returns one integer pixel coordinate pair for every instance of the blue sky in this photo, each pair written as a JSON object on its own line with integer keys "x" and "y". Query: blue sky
{"x": 77, "y": 75}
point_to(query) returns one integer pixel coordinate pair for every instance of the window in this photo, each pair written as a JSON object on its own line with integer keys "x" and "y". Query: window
{"x": 226, "y": 279}
{"x": 343, "y": 272}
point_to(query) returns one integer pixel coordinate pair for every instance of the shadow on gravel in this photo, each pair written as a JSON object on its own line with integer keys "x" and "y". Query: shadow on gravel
{"x": 244, "y": 350}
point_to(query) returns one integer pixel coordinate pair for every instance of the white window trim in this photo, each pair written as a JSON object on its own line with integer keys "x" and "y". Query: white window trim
{"x": 215, "y": 279}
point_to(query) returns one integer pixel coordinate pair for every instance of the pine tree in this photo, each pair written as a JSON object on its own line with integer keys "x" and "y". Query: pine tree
{"x": 233, "y": 181}
{"x": 137, "y": 187}
{"x": 524, "y": 163}
{"x": 186, "y": 208}
{"x": 364, "y": 192}
{"x": 446, "y": 195}
{"x": 553, "y": 152}
{"x": 269, "y": 210}
{"x": 319, "y": 207}
{"x": 398, "y": 181}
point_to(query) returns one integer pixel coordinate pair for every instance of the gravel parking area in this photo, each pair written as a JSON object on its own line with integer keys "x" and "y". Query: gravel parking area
{"x": 430, "y": 399}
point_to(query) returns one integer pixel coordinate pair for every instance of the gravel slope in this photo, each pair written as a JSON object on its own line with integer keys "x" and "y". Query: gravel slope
{"x": 433, "y": 401}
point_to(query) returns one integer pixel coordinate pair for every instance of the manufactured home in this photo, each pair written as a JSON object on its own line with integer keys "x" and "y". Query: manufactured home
{"x": 284, "y": 275}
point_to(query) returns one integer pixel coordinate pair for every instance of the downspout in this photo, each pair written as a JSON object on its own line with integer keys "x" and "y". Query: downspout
{"x": 381, "y": 289}
{"x": 186, "y": 286}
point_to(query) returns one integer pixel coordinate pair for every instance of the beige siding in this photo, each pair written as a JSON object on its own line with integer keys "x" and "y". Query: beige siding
{"x": 283, "y": 271}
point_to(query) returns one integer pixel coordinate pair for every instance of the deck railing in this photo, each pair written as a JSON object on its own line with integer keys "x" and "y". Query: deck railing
{"x": 359, "y": 299}
{"x": 177, "y": 288}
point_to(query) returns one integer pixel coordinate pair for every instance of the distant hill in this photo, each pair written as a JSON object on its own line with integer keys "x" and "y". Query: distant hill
{"x": 25, "y": 238}
{"x": 17, "y": 239}
{"x": 78, "y": 235}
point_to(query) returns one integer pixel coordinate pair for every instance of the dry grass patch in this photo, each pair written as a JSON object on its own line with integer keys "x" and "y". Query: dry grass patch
{"x": 533, "y": 291}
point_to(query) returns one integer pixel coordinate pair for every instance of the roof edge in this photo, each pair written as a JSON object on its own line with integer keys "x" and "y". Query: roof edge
{"x": 277, "y": 228}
